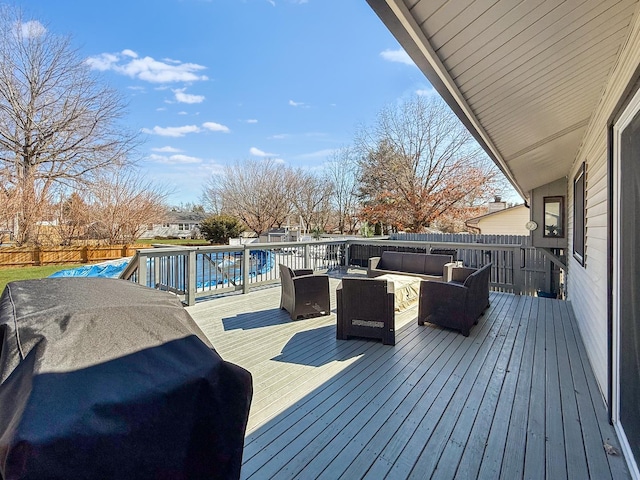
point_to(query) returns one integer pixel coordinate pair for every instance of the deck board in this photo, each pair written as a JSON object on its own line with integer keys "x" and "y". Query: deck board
{"x": 515, "y": 399}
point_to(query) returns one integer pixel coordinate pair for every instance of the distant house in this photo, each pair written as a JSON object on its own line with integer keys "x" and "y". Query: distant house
{"x": 501, "y": 220}
{"x": 176, "y": 224}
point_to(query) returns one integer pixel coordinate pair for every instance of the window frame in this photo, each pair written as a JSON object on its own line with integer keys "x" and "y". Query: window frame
{"x": 579, "y": 214}
{"x": 560, "y": 225}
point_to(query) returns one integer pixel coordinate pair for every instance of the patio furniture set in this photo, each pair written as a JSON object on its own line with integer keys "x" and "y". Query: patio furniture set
{"x": 448, "y": 294}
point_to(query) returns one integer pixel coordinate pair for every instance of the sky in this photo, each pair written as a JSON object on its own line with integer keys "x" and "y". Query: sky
{"x": 212, "y": 82}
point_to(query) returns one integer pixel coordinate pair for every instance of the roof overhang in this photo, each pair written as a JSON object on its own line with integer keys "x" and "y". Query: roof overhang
{"x": 524, "y": 77}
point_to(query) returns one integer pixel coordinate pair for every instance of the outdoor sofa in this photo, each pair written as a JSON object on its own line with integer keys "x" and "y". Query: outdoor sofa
{"x": 424, "y": 265}
{"x": 457, "y": 304}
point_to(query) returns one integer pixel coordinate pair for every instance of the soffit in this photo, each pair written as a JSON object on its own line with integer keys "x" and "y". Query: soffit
{"x": 524, "y": 76}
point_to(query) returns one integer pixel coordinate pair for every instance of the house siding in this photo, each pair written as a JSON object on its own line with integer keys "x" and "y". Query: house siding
{"x": 506, "y": 222}
{"x": 588, "y": 285}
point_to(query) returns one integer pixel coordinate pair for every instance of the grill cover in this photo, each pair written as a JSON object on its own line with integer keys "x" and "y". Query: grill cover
{"x": 103, "y": 378}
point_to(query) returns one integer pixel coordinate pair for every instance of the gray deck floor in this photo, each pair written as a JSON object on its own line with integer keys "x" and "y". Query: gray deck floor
{"x": 515, "y": 399}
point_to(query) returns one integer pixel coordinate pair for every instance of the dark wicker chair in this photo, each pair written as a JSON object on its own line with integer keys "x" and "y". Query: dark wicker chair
{"x": 304, "y": 294}
{"x": 365, "y": 308}
{"x": 457, "y": 304}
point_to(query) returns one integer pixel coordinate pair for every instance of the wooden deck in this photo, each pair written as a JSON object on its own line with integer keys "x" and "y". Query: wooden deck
{"x": 515, "y": 399}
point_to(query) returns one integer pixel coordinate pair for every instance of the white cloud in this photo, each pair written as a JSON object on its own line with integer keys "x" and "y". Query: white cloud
{"x": 185, "y": 129}
{"x": 182, "y": 113}
{"x": 148, "y": 69}
{"x": 279, "y": 136}
{"x": 166, "y": 149}
{"x": 259, "y": 153}
{"x": 319, "y": 154}
{"x": 399, "y": 56}
{"x": 425, "y": 92}
{"x": 252, "y": 120}
{"x": 31, "y": 29}
{"x": 174, "y": 159}
{"x": 105, "y": 61}
{"x": 172, "y": 131}
{"x": 215, "y": 127}
{"x": 296, "y": 104}
{"x": 187, "y": 97}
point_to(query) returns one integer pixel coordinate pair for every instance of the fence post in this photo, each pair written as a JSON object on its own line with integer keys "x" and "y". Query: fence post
{"x": 190, "y": 294}
{"x": 246, "y": 268}
{"x": 518, "y": 273}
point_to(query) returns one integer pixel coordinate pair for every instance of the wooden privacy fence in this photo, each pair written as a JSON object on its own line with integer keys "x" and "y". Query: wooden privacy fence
{"x": 37, "y": 256}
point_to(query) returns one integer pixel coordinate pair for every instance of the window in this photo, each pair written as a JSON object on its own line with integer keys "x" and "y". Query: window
{"x": 553, "y": 217}
{"x": 578, "y": 215}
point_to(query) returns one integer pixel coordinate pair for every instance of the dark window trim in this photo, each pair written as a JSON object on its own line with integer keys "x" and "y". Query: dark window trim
{"x": 579, "y": 211}
{"x": 561, "y": 227}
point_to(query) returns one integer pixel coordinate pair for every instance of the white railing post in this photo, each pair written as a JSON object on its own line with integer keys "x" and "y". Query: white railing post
{"x": 307, "y": 255}
{"x": 347, "y": 245}
{"x": 246, "y": 268}
{"x": 142, "y": 269}
{"x": 190, "y": 287}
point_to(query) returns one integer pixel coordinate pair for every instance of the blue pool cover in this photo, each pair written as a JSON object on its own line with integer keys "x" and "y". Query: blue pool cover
{"x": 110, "y": 269}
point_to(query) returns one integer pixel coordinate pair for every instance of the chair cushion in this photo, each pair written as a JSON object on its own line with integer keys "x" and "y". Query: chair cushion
{"x": 413, "y": 263}
{"x": 391, "y": 261}
{"x": 434, "y": 264}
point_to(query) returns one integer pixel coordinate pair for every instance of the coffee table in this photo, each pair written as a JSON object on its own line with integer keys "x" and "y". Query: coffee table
{"x": 406, "y": 290}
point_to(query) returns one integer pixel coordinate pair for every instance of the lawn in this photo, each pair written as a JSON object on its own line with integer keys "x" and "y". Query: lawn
{"x": 25, "y": 273}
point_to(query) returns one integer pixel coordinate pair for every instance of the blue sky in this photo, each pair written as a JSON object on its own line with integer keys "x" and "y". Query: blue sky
{"x": 212, "y": 82}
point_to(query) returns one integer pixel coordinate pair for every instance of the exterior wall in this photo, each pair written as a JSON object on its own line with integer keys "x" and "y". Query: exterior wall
{"x": 587, "y": 287}
{"x": 506, "y": 222}
{"x": 553, "y": 189}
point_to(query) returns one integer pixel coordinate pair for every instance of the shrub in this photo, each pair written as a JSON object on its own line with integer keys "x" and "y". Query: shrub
{"x": 220, "y": 228}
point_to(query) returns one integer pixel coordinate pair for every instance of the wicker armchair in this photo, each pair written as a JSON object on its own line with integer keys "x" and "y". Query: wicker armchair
{"x": 304, "y": 294}
{"x": 365, "y": 309}
{"x": 457, "y": 304}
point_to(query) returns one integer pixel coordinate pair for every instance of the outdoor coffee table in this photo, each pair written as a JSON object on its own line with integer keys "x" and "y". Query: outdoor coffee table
{"x": 406, "y": 290}
{"x": 365, "y": 306}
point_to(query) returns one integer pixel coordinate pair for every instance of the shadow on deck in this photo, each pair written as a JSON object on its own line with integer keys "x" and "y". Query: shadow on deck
{"x": 515, "y": 399}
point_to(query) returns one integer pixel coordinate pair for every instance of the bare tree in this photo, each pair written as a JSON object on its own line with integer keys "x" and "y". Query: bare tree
{"x": 58, "y": 124}
{"x": 311, "y": 196}
{"x": 419, "y": 162}
{"x": 122, "y": 204}
{"x": 255, "y": 191}
{"x": 341, "y": 173}
{"x": 72, "y": 218}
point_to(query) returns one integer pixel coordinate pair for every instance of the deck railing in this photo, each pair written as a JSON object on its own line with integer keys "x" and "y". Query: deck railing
{"x": 196, "y": 272}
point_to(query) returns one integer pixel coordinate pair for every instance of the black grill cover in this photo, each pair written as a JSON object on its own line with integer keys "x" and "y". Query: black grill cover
{"x": 106, "y": 379}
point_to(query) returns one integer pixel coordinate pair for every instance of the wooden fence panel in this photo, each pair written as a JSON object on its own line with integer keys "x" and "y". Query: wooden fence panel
{"x": 24, "y": 257}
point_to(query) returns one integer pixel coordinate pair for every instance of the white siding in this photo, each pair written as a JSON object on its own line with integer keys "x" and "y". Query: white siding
{"x": 507, "y": 222}
{"x": 587, "y": 286}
